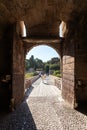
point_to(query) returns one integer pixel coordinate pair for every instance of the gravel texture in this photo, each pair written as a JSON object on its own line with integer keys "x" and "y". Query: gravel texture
{"x": 43, "y": 112}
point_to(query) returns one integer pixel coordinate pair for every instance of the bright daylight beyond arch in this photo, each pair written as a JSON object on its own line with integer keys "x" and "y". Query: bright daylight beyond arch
{"x": 42, "y": 59}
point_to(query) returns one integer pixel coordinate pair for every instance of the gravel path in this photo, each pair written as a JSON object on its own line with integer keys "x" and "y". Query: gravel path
{"x": 43, "y": 109}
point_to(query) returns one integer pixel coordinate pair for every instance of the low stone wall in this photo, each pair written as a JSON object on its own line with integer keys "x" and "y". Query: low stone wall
{"x": 33, "y": 79}
{"x": 29, "y": 81}
{"x": 56, "y": 81}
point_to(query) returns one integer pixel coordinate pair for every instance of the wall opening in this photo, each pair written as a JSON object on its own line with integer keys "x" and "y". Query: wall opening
{"x": 21, "y": 29}
{"x": 62, "y": 29}
{"x": 43, "y": 62}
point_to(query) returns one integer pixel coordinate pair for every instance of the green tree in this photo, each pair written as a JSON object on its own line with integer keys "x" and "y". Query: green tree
{"x": 27, "y": 65}
{"x": 39, "y": 63}
{"x": 54, "y": 67}
{"x": 47, "y": 69}
{"x": 53, "y": 64}
{"x": 31, "y": 61}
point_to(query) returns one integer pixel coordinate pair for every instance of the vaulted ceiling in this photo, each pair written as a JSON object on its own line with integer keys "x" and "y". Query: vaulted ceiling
{"x": 41, "y": 17}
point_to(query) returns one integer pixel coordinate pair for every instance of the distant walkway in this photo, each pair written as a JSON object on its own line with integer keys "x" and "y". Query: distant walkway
{"x": 42, "y": 88}
{"x": 43, "y": 109}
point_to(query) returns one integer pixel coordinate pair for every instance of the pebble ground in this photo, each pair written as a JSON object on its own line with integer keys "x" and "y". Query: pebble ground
{"x": 43, "y": 109}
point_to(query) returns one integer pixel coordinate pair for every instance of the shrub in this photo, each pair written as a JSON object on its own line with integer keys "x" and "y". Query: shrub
{"x": 28, "y": 75}
{"x": 57, "y": 73}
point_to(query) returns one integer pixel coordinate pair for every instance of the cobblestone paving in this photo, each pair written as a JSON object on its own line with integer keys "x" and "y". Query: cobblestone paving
{"x": 43, "y": 113}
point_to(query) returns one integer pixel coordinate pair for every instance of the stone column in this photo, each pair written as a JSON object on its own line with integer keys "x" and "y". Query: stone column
{"x": 17, "y": 69}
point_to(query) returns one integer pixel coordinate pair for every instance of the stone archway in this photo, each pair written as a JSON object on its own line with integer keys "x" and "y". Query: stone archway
{"x": 66, "y": 58}
{"x": 38, "y": 49}
{"x": 42, "y": 20}
{"x": 20, "y": 48}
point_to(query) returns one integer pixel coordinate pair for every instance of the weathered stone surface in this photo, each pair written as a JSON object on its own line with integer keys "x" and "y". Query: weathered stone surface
{"x": 42, "y": 20}
{"x": 18, "y": 70}
{"x": 68, "y": 81}
{"x": 81, "y": 65}
{"x": 40, "y": 16}
{"x": 54, "y": 43}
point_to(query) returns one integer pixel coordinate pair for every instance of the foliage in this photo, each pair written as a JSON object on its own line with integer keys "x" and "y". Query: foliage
{"x": 57, "y": 73}
{"x": 47, "y": 68}
{"x": 54, "y": 66}
{"x": 28, "y": 75}
{"x": 27, "y": 64}
{"x": 37, "y": 64}
{"x": 34, "y": 63}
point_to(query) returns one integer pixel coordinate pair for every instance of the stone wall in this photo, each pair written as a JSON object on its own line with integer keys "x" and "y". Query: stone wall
{"x": 5, "y": 65}
{"x": 56, "y": 81}
{"x": 5, "y": 51}
{"x": 29, "y": 81}
{"x": 68, "y": 81}
{"x": 81, "y": 71}
{"x": 18, "y": 70}
{"x": 81, "y": 59}
{"x": 74, "y": 86}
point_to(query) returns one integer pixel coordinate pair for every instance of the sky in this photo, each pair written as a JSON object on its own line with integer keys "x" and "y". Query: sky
{"x": 42, "y": 52}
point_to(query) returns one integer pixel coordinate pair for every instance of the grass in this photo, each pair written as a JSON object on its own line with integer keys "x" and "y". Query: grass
{"x": 29, "y": 75}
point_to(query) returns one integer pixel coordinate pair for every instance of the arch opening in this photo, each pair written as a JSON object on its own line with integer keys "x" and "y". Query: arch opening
{"x": 45, "y": 63}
